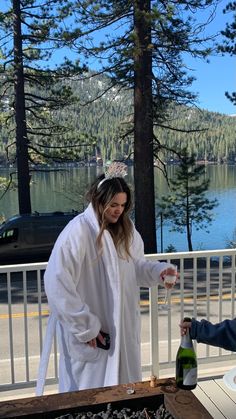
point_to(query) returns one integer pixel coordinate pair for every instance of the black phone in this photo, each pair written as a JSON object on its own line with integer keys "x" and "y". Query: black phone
{"x": 106, "y": 337}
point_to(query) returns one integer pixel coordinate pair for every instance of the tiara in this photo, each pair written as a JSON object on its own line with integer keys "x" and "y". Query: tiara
{"x": 115, "y": 169}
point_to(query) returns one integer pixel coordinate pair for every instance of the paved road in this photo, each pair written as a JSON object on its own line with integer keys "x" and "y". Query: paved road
{"x": 28, "y": 320}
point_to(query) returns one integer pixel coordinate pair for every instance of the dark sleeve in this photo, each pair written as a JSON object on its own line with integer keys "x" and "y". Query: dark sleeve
{"x": 222, "y": 334}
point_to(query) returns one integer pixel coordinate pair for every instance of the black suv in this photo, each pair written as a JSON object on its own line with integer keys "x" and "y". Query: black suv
{"x": 30, "y": 238}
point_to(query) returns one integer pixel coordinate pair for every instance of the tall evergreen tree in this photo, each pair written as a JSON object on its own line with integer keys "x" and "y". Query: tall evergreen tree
{"x": 143, "y": 126}
{"x": 30, "y": 30}
{"x": 228, "y": 46}
{"x": 186, "y": 205}
{"x": 143, "y": 50}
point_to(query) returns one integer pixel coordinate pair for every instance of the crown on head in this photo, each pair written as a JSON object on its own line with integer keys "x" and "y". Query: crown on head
{"x": 115, "y": 169}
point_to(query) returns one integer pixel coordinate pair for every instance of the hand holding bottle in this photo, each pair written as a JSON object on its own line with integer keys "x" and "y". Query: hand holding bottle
{"x": 185, "y": 326}
{"x": 186, "y": 359}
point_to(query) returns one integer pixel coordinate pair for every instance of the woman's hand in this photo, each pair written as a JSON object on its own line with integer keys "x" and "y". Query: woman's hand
{"x": 93, "y": 342}
{"x": 184, "y": 327}
{"x": 169, "y": 277}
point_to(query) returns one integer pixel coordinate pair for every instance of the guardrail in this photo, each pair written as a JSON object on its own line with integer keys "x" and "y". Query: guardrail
{"x": 206, "y": 289}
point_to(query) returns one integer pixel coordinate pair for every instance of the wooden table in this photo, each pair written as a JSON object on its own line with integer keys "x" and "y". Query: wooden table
{"x": 217, "y": 398}
{"x": 180, "y": 403}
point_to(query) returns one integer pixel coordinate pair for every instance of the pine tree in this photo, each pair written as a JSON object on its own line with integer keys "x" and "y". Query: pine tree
{"x": 186, "y": 205}
{"x": 143, "y": 50}
{"x": 30, "y": 30}
{"x": 228, "y": 46}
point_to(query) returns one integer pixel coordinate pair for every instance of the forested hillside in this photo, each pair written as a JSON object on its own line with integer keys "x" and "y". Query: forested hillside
{"x": 215, "y": 140}
{"x": 105, "y": 120}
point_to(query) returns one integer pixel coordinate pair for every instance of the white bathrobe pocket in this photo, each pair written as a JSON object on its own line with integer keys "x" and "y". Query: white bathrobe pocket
{"x": 82, "y": 351}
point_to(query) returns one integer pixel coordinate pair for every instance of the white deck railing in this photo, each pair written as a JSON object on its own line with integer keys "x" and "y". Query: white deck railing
{"x": 206, "y": 289}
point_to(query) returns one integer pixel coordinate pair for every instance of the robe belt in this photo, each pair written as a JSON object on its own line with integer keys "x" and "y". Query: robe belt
{"x": 44, "y": 360}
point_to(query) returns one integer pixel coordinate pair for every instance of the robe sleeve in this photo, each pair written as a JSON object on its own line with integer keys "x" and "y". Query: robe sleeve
{"x": 61, "y": 279}
{"x": 148, "y": 273}
{"x": 222, "y": 335}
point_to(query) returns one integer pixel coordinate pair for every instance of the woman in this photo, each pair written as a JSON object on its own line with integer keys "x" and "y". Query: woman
{"x": 92, "y": 283}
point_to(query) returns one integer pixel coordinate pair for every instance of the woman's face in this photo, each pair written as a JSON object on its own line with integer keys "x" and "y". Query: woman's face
{"x": 115, "y": 208}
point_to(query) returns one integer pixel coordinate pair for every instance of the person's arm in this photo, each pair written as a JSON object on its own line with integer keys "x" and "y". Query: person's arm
{"x": 149, "y": 273}
{"x": 61, "y": 285}
{"x": 222, "y": 335}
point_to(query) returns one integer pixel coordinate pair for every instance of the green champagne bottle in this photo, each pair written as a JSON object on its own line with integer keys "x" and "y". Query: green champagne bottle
{"x": 186, "y": 363}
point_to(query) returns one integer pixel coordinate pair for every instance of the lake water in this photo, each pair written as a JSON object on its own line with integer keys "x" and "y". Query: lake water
{"x": 64, "y": 190}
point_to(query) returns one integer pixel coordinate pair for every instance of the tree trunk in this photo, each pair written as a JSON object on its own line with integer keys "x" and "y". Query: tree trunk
{"x": 188, "y": 226}
{"x": 143, "y": 128}
{"x": 189, "y": 238}
{"x": 20, "y": 117}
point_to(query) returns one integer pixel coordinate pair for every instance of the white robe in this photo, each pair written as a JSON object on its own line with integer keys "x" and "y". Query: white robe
{"x": 88, "y": 292}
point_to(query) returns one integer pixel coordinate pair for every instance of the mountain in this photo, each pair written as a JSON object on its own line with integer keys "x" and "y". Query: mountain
{"x": 104, "y": 118}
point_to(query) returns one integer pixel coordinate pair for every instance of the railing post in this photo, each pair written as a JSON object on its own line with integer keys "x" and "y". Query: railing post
{"x": 155, "y": 370}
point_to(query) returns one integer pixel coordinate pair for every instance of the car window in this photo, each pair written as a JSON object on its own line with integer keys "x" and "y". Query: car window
{"x": 40, "y": 233}
{"x": 9, "y": 235}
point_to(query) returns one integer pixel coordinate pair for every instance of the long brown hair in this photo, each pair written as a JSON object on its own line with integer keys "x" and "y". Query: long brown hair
{"x": 100, "y": 195}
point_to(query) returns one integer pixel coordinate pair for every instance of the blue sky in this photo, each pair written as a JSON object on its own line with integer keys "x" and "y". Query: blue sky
{"x": 218, "y": 76}
{"x": 212, "y": 79}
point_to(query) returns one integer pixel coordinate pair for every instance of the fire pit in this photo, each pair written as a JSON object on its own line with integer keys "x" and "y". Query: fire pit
{"x": 164, "y": 400}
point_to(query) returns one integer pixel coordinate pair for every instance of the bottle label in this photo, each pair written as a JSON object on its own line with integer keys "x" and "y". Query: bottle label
{"x": 189, "y": 376}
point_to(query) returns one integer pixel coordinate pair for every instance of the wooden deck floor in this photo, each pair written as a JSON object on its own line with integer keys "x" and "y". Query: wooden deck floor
{"x": 217, "y": 398}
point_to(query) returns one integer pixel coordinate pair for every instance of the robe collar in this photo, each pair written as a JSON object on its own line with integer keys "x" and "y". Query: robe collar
{"x": 91, "y": 218}
{"x": 109, "y": 252}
